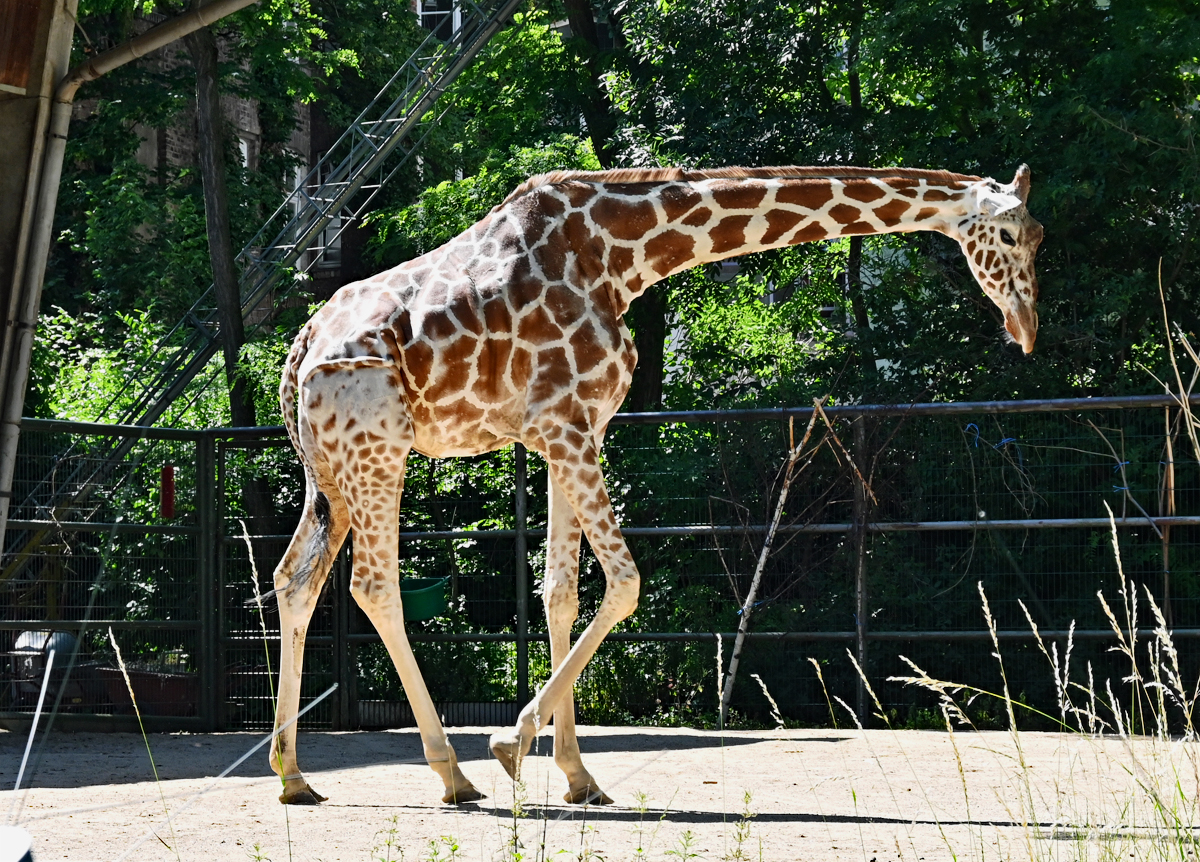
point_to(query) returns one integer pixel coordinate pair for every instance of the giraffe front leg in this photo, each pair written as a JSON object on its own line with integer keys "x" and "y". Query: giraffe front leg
{"x": 582, "y": 484}
{"x": 298, "y": 581}
{"x": 561, "y": 598}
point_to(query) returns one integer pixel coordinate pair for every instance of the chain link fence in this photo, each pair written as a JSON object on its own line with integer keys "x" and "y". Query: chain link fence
{"x": 901, "y": 517}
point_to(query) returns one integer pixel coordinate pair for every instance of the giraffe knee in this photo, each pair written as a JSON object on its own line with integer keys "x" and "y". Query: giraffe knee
{"x": 622, "y": 594}
{"x": 561, "y": 600}
{"x": 370, "y": 591}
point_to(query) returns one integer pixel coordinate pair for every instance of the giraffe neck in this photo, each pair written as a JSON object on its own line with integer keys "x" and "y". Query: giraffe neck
{"x": 683, "y": 224}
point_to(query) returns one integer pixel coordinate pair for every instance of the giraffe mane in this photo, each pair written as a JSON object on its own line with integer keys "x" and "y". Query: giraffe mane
{"x": 662, "y": 175}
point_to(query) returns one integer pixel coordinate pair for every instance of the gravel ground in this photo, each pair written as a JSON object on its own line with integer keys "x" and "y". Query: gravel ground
{"x": 816, "y": 795}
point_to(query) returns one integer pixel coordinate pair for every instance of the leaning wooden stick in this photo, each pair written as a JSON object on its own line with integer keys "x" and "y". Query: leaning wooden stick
{"x": 789, "y": 475}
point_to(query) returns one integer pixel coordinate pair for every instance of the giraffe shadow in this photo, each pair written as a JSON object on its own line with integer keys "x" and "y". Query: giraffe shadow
{"x": 621, "y": 814}
{"x": 474, "y": 746}
{"x": 86, "y": 759}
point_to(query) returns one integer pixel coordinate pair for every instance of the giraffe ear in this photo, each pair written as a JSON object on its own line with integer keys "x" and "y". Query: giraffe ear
{"x": 1020, "y": 183}
{"x": 995, "y": 203}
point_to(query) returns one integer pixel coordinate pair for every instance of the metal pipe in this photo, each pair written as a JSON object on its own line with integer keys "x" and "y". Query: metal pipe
{"x": 522, "y": 577}
{"x": 726, "y": 530}
{"x": 71, "y": 426}
{"x": 1049, "y": 405}
{"x": 119, "y": 528}
{"x": 668, "y": 417}
{"x": 859, "y": 534}
{"x": 27, "y": 305}
{"x": 153, "y": 39}
{"x": 75, "y": 626}
{"x": 711, "y": 637}
{"x": 211, "y": 689}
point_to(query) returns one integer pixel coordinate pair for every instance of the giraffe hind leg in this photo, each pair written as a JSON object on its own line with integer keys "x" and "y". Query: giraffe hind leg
{"x": 368, "y": 443}
{"x": 298, "y": 581}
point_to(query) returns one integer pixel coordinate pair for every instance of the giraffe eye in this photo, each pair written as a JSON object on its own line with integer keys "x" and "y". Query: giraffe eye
{"x": 1006, "y": 237}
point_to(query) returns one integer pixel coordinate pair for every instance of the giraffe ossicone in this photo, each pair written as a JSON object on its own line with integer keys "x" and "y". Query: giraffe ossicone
{"x": 514, "y": 332}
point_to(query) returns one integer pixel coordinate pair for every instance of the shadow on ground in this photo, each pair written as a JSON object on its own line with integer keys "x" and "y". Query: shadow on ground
{"x": 620, "y": 814}
{"x": 85, "y": 759}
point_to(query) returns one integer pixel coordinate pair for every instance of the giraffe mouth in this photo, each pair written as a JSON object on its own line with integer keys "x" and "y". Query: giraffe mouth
{"x": 1022, "y": 326}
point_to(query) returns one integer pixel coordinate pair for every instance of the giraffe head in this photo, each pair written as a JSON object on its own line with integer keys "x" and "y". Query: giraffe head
{"x": 1000, "y": 239}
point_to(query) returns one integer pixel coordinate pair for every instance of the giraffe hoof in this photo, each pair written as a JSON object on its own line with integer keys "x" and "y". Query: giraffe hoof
{"x": 507, "y": 749}
{"x": 588, "y": 794}
{"x": 303, "y": 796}
{"x": 465, "y": 794}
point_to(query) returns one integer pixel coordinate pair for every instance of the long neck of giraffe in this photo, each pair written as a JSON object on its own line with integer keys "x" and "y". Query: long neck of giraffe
{"x": 714, "y": 219}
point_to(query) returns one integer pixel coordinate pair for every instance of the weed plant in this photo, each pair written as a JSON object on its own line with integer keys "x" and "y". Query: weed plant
{"x": 1128, "y": 790}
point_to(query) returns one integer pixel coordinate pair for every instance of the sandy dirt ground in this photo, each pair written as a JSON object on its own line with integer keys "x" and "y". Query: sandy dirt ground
{"x": 815, "y": 795}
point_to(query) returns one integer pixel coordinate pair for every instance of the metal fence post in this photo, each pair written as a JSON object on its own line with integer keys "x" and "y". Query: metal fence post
{"x": 522, "y": 578}
{"x": 220, "y": 553}
{"x": 207, "y": 546}
{"x": 860, "y": 566}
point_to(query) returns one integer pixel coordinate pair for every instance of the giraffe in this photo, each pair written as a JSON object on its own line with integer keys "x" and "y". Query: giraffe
{"x": 514, "y": 331}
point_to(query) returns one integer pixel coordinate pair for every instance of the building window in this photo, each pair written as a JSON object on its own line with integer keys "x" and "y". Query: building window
{"x": 443, "y": 18}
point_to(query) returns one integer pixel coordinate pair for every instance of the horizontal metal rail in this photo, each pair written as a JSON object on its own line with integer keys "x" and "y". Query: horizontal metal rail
{"x": 843, "y": 527}
{"x": 1051, "y": 405}
{"x": 97, "y": 429}
{"x": 673, "y": 417}
{"x": 117, "y": 625}
{"x": 119, "y": 528}
{"x": 711, "y": 637}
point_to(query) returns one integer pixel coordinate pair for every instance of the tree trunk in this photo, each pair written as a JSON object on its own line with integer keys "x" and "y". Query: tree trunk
{"x": 597, "y": 112}
{"x": 210, "y": 147}
{"x": 854, "y": 286}
{"x": 858, "y": 307}
{"x": 647, "y": 318}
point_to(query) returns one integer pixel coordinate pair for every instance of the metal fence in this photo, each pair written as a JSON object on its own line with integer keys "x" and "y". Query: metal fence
{"x": 901, "y": 514}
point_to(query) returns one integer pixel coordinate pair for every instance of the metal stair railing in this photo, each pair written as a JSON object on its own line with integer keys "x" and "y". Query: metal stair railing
{"x": 293, "y": 241}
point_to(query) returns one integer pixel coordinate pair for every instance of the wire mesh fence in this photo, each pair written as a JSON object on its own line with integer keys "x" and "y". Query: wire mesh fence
{"x": 104, "y": 556}
{"x": 901, "y": 517}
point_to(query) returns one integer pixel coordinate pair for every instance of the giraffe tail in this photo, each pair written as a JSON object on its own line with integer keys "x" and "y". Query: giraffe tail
{"x": 316, "y": 554}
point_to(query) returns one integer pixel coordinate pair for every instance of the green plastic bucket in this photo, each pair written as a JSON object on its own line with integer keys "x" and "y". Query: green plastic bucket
{"x": 423, "y": 598}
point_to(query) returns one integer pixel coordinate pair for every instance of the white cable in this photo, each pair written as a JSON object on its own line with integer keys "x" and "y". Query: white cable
{"x": 37, "y": 714}
{"x": 150, "y": 832}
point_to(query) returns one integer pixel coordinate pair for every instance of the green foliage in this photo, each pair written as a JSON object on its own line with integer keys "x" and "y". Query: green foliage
{"x": 1101, "y": 101}
{"x": 524, "y": 88}
{"x": 447, "y": 209}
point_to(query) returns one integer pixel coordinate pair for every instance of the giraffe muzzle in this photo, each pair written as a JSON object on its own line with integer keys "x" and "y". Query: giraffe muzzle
{"x": 1022, "y": 326}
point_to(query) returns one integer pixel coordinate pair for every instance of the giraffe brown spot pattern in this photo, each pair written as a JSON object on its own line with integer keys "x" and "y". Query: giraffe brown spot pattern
{"x": 668, "y": 250}
{"x": 678, "y": 200}
{"x": 729, "y": 234}
{"x": 739, "y": 196}
{"x": 810, "y": 195}
{"x": 864, "y": 191}
{"x": 779, "y": 222}
{"x": 623, "y": 219}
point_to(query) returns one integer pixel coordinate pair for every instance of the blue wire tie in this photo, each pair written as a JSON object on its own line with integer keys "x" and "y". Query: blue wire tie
{"x": 976, "y": 427}
{"x": 1124, "y": 464}
{"x": 1004, "y": 441}
{"x": 1119, "y": 488}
